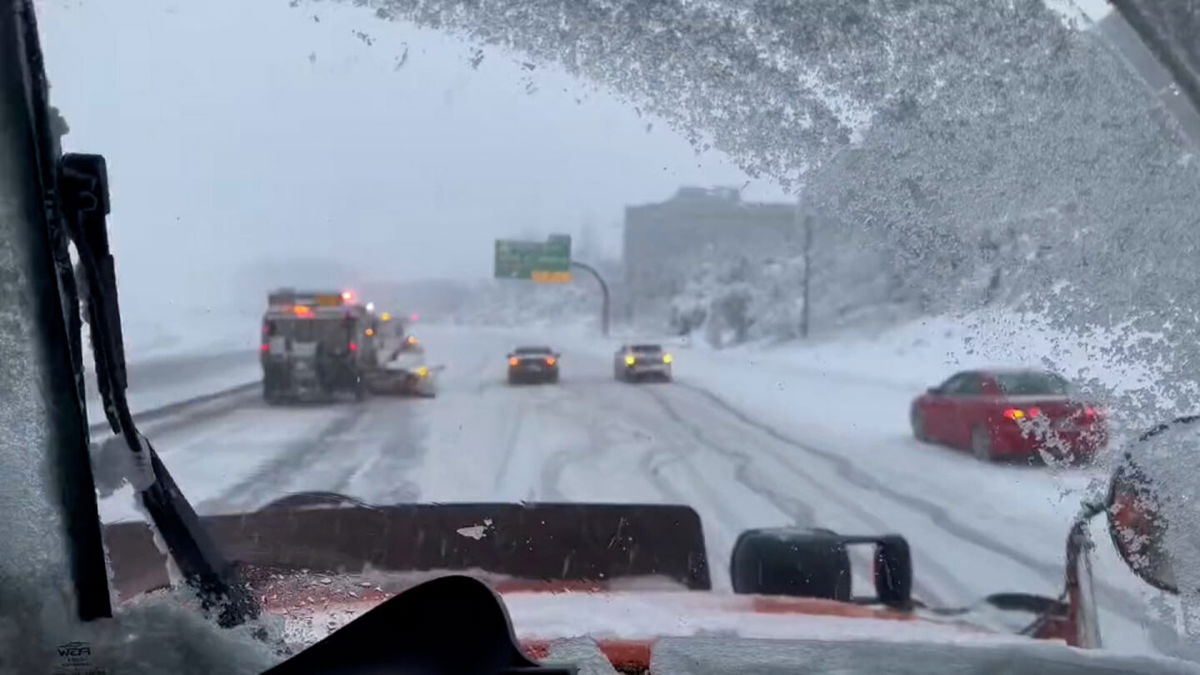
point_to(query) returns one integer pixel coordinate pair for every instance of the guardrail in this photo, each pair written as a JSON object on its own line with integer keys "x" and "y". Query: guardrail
{"x": 168, "y": 409}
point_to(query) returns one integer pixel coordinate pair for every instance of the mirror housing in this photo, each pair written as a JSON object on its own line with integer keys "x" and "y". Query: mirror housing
{"x": 815, "y": 563}
{"x": 1134, "y": 505}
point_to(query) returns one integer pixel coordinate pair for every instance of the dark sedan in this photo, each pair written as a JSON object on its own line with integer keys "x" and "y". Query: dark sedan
{"x": 536, "y": 365}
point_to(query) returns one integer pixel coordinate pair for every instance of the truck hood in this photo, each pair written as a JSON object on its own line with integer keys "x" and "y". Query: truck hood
{"x": 628, "y": 582}
{"x": 712, "y": 632}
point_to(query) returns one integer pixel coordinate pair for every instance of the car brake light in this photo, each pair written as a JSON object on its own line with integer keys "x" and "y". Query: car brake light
{"x": 1035, "y": 412}
{"x": 353, "y": 347}
{"x": 550, "y": 361}
{"x": 264, "y": 348}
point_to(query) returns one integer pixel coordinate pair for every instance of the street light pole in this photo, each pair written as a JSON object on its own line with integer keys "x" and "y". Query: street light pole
{"x": 805, "y": 222}
{"x": 604, "y": 311}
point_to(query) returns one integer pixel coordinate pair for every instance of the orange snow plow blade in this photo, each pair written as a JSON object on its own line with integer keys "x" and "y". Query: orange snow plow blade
{"x": 559, "y": 544}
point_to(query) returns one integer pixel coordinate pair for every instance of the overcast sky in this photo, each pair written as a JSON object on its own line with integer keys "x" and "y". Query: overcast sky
{"x": 236, "y": 129}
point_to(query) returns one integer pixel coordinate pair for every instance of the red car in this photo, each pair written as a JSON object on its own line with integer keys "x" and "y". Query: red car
{"x": 1009, "y": 414}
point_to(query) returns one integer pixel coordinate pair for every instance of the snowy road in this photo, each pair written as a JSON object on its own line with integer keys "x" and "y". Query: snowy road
{"x": 744, "y": 444}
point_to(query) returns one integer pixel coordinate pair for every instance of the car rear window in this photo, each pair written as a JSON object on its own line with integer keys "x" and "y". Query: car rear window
{"x": 647, "y": 348}
{"x": 1031, "y": 384}
{"x": 532, "y": 350}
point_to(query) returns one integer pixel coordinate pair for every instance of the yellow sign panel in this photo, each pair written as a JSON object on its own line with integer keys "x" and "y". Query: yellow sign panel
{"x": 550, "y": 277}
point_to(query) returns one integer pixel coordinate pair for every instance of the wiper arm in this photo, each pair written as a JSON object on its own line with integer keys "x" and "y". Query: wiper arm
{"x": 83, "y": 191}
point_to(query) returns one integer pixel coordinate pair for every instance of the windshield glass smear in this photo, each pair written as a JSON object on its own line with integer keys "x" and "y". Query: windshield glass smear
{"x": 813, "y": 214}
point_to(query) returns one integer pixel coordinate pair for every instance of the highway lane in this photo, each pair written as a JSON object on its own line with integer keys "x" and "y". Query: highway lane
{"x": 591, "y": 438}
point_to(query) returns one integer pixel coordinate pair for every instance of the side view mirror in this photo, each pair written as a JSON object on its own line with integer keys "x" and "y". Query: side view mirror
{"x": 815, "y": 563}
{"x": 934, "y": 391}
{"x": 1150, "y": 504}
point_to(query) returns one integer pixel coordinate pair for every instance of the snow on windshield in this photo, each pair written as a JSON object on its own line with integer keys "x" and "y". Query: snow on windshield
{"x": 1030, "y": 383}
{"x": 817, "y": 211}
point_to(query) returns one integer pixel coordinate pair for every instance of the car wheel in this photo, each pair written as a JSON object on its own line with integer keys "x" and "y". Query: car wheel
{"x": 981, "y": 444}
{"x": 917, "y": 419}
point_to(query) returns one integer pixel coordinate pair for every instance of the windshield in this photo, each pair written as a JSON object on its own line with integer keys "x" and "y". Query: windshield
{"x": 1031, "y": 384}
{"x": 810, "y": 214}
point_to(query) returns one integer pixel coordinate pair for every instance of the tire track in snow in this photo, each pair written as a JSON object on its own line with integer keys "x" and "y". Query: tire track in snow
{"x": 801, "y": 513}
{"x": 275, "y": 473}
{"x": 668, "y": 445}
{"x": 511, "y": 441}
{"x": 382, "y": 476}
{"x": 1119, "y": 601}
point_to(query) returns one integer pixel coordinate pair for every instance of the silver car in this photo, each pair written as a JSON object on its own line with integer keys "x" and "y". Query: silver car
{"x": 637, "y": 362}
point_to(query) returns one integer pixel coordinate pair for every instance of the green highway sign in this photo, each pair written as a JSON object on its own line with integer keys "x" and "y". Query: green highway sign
{"x": 540, "y": 261}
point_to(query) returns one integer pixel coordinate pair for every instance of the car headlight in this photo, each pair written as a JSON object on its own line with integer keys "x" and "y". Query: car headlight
{"x": 667, "y": 358}
{"x": 630, "y": 360}
{"x": 422, "y": 371}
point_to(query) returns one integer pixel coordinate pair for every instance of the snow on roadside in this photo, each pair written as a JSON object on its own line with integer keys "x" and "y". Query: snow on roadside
{"x": 177, "y": 353}
{"x": 849, "y": 399}
{"x": 174, "y": 330}
{"x": 922, "y": 353}
{"x": 165, "y": 381}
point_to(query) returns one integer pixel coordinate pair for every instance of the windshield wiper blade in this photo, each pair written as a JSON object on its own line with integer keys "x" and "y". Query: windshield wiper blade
{"x": 83, "y": 193}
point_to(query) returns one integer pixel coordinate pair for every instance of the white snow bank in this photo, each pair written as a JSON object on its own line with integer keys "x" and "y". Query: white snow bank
{"x": 157, "y": 383}
{"x": 176, "y": 329}
{"x": 1116, "y": 364}
{"x": 175, "y": 353}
